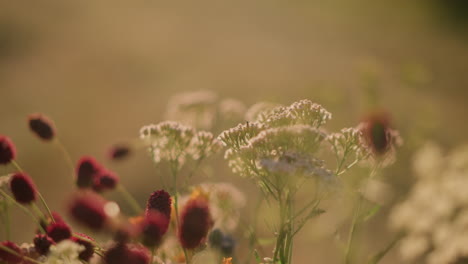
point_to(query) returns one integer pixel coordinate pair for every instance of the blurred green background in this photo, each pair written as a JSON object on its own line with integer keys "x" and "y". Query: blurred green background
{"x": 103, "y": 69}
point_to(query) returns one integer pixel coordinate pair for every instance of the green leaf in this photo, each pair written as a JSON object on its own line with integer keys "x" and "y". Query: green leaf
{"x": 257, "y": 256}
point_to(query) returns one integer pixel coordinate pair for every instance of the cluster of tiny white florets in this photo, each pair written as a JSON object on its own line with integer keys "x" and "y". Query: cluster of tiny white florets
{"x": 202, "y": 109}
{"x": 173, "y": 142}
{"x": 65, "y": 252}
{"x": 435, "y": 215}
{"x": 348, "y": 147}
{"x": 260, "y": 111}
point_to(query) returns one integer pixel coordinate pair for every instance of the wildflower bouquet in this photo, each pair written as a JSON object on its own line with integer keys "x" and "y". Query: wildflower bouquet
{"x": 284, "y": 150}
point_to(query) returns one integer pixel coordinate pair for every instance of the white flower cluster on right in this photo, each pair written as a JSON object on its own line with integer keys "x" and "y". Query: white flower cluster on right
{"x": 434, "y": 218}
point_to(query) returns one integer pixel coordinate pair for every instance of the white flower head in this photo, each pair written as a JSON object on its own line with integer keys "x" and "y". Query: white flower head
{"x": 65, "y": 252}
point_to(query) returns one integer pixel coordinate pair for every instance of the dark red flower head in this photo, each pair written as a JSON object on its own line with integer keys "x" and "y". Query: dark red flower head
{"x": 377, "y": 132}
{"x": 153, "y": 228}
{"x": 7, "y": 150}
{"x": 42, "y": 244}
{"x": 195, "y": 222}
{"x": 8, "y": 257}
{"x": 23, "y": 188}
{"x": 59, "y": 231}
{"x": 42, "y": 126}
{"x": 88, "y": 209}
{"x": 119, "y": 152}
{"x": 159, "y": 201}
{"x": 123, "y": 254}
{"x": 87, "y": 170}
{"x": 106, "y": 180}
{"x": 86, "y": 242}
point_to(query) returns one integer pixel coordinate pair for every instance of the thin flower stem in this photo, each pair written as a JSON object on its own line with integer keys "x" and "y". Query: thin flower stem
{"x": 38, "y": 211}
{"x": 67, "y": 156}
{"x": 176, "y": 204}
{"x": 130, "y": 199}
{"x": 11, "y": 251}
{"x": 352, "y": 231}
{"x": 16, "y": 165}
{"x": 25, "y": 209}
{"x": 6, "y": 219}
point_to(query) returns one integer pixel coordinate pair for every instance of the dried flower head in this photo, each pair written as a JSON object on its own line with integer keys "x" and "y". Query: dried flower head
{"x": 195, "y": 222}
{"x": 88, "y": 209}
{"x": 119, "y": 152}
{"x": 105, "y": 180}
{"x": 159, "y": 201}
{"x": 23, "y": 188}
{"x": 86, "y": 242}
{"x": 42, "y": 126}
{"x": 153, "y": 227}
{"x": 86, "y": 171}
{"x": 42, "y": 244}
{"x": 7, "y": 150}
{"x": 59, "y": 231}
{"x": 197, "y": 109}
{"x": 9, "y": 257}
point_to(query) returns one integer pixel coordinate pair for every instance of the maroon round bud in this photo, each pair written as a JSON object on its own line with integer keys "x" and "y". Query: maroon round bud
{"x": 86, "y": 172}
{"x": 106, "y": 180}
{"x": 88, "y": 209}
{"x": 139, "y": 255}
{"x": 9, "y": 257}
{"x": 42, "y": 126}
{"x": 377, "y": 132}
{"x": 153, "y": 228}
{"x": 23, "y": 188}
{"x": 42, "y": 244}
{"x": 159, "y": 201}
{"x": 7, "y": 150}
{"x": 119, "y": 152}
{"x": 59, "y": 231}
{"x": 195, "y": 223}
{"x": 118, "y": 254}
{"x": 86, "y": 242}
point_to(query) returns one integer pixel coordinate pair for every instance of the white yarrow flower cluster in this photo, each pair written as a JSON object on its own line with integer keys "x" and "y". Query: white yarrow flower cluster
{"x": 65, "y": 252}
{"x": 435, "y": 216}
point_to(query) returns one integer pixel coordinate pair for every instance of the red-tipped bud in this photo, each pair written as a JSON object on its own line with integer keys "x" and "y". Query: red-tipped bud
{"x": 119, "y": 152}
{"x": 8, "y": 257}
{"x": 7, "y": 150}
{"x": 159, "y": 201}
{"x": 377, "y": 132}
{"x": 153, "y": 228}
{"x": 106, "y": 180}
{"x": 23, "y": 188}
{"x": 86, "y": 242}
{"x": 87, "y": 170}
{"x": 88, "y": 209}
{"x": 59, "y": 231}
{"x": 42, "y": 126}
{"x": 123, "y": 254}
{"x": 195, "y": 223}
{"x": 42, "y": 244}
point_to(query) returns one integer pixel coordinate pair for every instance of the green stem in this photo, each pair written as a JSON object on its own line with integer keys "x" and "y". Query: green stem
{"x": 352, "y": 231}
{"x": 6, "y": 219}
{"x": 26, "y": 210}
{"x": 130, "y": 199}
{"x": 38, "y": 211}
{"x": 67, "y": 156}
{"x": 11, "y": 251}
{"x": 16, "y": 165}
{"x": 176, "y": 203}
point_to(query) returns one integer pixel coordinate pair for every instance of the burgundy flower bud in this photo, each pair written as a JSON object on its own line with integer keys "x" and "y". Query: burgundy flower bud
{"x": 153, "y": 228}
{"x": 195, "y": 223}
{"x": 23, "y": 188}
{"x": 88, "y": 209}
{"x": 118, "y": 254}
{"x": 377, "y": 132}
{"x": 42, "y": 244}
{"x": 139, "y": 255}
{"x": 106, "y": 180}
{"x": 86, "y": 171}
{"x": 119, "y": 152}
{"x": 88, "y": 251}
{"x": 7, "y": 150}
{"x": 42, "y": 126}
{"x": 159, "y": 201}
{"x": 59, "y": 231}
{"x": 8, "y": 257}
{"x": 45, "y": 222}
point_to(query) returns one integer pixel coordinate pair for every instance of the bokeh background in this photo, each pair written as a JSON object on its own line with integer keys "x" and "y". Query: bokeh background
{"x": 102, "y": 69}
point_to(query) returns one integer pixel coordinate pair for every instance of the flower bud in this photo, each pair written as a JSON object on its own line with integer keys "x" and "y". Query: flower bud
{"x": 23, "y": 188}
{"x": 119, "y": 152}
{"x": 86, "y": 172}
{"x": 377, "y": 132}
{"x": 8, "y": 257}
{"x": 42, "y": 126}
{"x": 7, "y": 150}
{"x": 88, "y": 251}
{"x": 159, "y": 201}
{"x": 88, "y": 209}
{"x": 106, "y": 180}
{"x": 59, "y": 231}
{"x": 195, "y": 223}
{"x": 153, "y": 228}
{"x": 42, "y": 244}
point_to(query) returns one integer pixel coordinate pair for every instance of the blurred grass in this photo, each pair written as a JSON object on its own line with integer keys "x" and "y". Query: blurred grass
{"x": 103, "y": 69}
